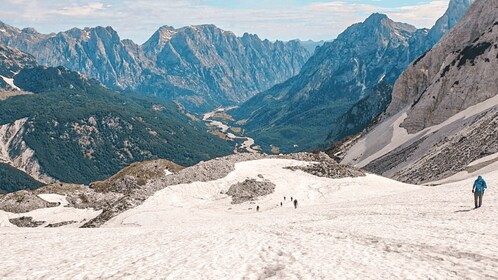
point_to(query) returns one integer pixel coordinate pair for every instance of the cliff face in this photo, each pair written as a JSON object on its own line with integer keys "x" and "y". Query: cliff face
{"x": 456, "y": 10}
{"x": 457, "y": 73}
{"x": 200, "y": 66}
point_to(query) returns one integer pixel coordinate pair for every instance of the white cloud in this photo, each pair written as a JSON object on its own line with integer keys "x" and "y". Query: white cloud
{"x": 80, "y": 10}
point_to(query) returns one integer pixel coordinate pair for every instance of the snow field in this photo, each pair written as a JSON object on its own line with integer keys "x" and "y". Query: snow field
{"x": 361, "y": 228}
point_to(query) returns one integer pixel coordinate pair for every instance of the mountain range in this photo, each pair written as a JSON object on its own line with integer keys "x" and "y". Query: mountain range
{"x": 201, "y": 67}
{"x": 329, "y": 98}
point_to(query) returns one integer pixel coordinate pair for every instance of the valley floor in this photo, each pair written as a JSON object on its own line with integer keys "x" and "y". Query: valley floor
{"x": 362, "y": 228}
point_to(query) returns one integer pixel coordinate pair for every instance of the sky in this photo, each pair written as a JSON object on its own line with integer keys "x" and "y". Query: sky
{"x": 269, "y": 19}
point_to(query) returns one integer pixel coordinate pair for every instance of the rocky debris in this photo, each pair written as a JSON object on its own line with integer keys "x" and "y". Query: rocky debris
{"x": 80, "y": 196}
{"x": 61, "y": 224}
{"x": 23, "y": 202}
{"x": 455, "y": 152}
{"x": 133, "y": 185}
{"x": 136, "y": 175}
{"x": 329, "y": 168}
{"x": 250, "y": 190}
{"x": 26, "y": 222}
{"x": 394, "y": 158}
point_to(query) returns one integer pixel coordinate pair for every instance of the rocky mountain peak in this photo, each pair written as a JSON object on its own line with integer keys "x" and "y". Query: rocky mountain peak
{"x": 376, "y": 18}
{"x": 30, "y": 30}
{"x": 456, "y": 10}
{"x": 377, "y": 28}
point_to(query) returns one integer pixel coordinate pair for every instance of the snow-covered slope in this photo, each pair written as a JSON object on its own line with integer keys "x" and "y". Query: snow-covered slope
{"x": 366, "y": 227}
{"x": 199, "y": 199}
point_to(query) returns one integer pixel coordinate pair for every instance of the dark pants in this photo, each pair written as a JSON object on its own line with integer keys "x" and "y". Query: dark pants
{"x": 478, "y": 198}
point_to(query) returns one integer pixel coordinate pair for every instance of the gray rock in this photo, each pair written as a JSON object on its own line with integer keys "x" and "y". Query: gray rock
{"x": 26, "y": 222}
{"x": 23, "y": 202}
{"x": 250, "y": 190}
{"x": 459, "y": 72}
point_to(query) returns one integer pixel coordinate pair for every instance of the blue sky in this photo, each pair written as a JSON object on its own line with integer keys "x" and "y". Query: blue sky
{"x": 271, "y": 19}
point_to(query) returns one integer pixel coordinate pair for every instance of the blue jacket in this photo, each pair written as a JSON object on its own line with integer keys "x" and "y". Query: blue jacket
{"x": 480, "y": 184}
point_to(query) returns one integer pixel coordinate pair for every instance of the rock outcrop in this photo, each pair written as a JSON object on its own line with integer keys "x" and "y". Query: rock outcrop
{"x": 250, "y": 190}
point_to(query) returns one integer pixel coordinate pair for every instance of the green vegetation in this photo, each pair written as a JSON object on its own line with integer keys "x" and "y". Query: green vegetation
{"x": 12, "y": 180}
{"x": 82, "y": 132}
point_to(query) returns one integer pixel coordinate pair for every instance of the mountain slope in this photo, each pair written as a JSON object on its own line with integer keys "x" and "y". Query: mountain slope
{"x": 200, "y": 66}
{"x": 335, "y": 85}
{"x": 444, "y": 111}
{"x": 456, "y": 10}
{"x": 74, "y": 130}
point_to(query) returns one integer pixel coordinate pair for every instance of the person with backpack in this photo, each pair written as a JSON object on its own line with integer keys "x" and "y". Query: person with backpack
{"x": 478, "y": 190}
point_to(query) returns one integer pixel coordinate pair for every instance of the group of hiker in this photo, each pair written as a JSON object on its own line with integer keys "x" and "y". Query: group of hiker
{"x": 477, "y": 189}
{"x": 293, "y": 200}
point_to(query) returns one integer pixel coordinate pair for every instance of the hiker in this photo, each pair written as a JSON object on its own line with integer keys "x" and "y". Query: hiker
{"x": 295, "y": 203}
{"x": 257, "y": 208}
{"x": 281, "y": 204}
{"x": 292, "y": 199}
{"x": 284, "y": 197}
{"x": 478, "y": 190}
